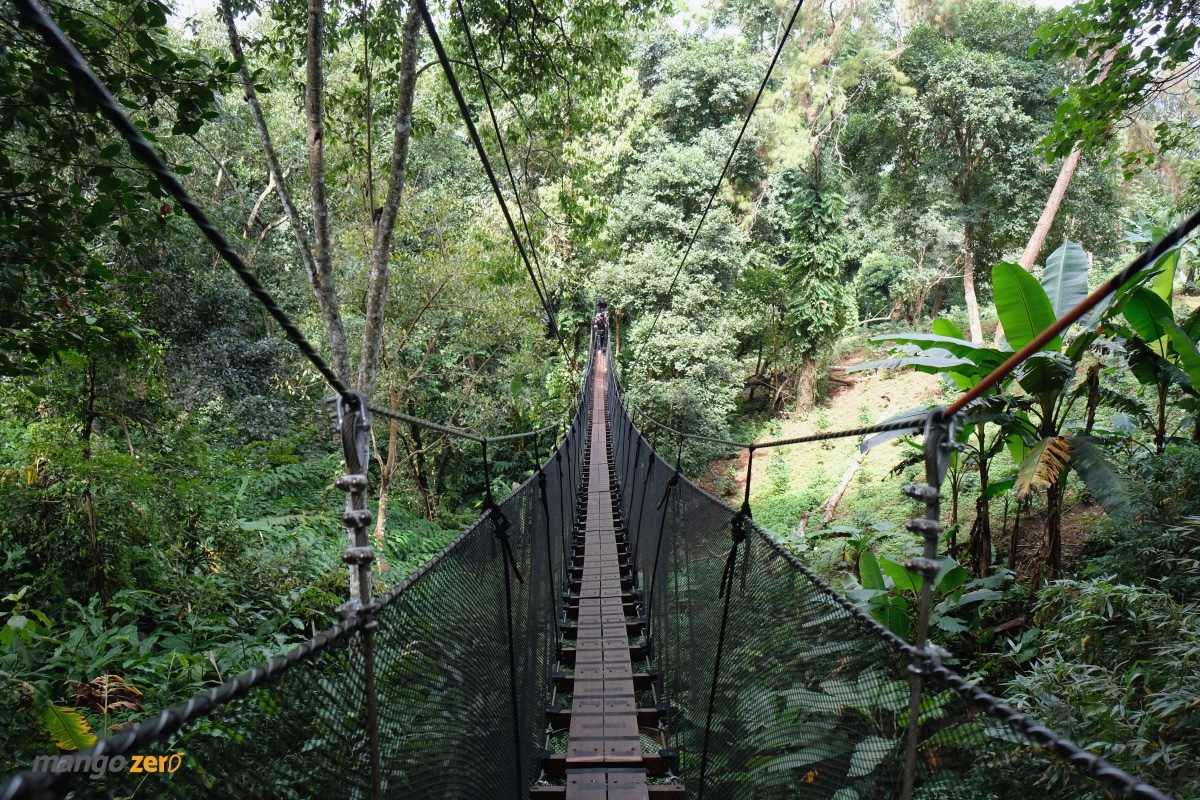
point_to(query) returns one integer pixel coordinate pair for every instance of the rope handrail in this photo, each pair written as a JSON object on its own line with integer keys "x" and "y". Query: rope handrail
{"x": 881, "y": 427}
{"x": 460, "y": 433}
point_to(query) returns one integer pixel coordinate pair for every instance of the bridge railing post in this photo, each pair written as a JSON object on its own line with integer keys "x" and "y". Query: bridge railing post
{"x": 354, "y": 428}
{"x": 940, "y": 441}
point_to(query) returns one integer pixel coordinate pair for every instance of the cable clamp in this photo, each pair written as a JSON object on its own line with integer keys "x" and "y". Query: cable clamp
{"x": 355, "y": 426}
{"x": 500, "y": 528}
{"x": 925, "y": 567}
{"x": 358, "y": 555}
{"x": 924, "y": 527}
{"x": 930, "y": 660}
{"x": 921, "y": 492}
{"x": 740, "y": 525}
{"x": 357, "y": 518}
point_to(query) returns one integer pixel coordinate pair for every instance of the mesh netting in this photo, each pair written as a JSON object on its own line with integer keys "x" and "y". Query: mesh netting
{"x": 778, "y": 688}
{"x": 812, "y": 698}
{"x": 444, "y": 692}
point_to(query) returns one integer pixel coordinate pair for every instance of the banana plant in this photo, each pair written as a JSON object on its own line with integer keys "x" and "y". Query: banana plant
{"x": 1046, "y": 452}
{"x": 1162, "y": 354}
{"x": 988, "y": 420}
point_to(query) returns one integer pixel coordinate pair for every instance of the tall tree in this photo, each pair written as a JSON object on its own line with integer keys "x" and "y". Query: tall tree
{"x": 957, "y": 130}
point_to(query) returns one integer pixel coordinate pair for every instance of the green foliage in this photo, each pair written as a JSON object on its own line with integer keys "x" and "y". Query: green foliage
{"x": 1132, "y": 54}
{"x": 880, "y": 283}
{"x": 1118, "y": 669}
{"x": 73, "y": 204}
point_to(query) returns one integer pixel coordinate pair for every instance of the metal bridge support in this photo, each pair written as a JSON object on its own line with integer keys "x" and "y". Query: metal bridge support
{"x": 940, "y": 441}
{"x": 354, "y": 427}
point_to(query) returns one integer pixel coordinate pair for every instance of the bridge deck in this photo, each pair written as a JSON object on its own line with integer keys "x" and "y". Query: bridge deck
{"x": 604, "y": 754}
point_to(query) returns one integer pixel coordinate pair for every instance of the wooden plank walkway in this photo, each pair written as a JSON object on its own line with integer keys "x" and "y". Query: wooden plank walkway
{"x": 604, "y": 755}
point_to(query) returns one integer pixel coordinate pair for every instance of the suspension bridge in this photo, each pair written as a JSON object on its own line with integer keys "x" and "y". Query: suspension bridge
{"x": 608, "y": 631}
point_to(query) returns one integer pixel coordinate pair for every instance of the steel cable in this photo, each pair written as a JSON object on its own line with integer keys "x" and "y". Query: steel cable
{"x": 90, "y": 86}
{"x": 487, "y": 164}
{"x": 733, "y": 151}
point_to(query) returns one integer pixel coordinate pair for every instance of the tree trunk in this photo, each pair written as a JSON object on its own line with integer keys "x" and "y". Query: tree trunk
{"x": 321, "y": 283}
{"x": 381, "y": 248}
{"x": 421, "y": 473}
{"x": 1160, "y": 428}
{"x": 1013, "y": 540}
{"x": 1065, "y": 173}
{"x": 1053, "y": 531}
{"x": 980, "y": 546}
{"x": 969, "y": 282}
{"x": 1038, "y": 239}
{"x": 387, "y": 468}
{"x": 1093, "y": 398}
{"x": 935, "y": 306}
{"x": 91, "y": 518}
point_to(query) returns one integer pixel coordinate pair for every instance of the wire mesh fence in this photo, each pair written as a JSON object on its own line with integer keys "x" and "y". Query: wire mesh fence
{"x": 811, "y": 698}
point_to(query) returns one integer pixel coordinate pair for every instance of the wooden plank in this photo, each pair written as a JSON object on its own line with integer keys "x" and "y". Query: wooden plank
{"x": 604, "y": 715}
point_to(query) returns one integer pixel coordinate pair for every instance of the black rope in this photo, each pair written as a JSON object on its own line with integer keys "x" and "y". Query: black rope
{"x": 500, "y": 526}
{"x": 552, "y": 606}
{"x": 637, "y": 541}
{"x": 487, "y": 98}
{"x": 733, "y": 151}
{"x": 90, "y": 86}
{"x": 883, "y": 427}
{"x": 487, "y": 164}
{"x": 500, "y": 523}
{"x": 563, "y": 491}
{"x": 665, "y": 505}
{"x": 456, "y": 432}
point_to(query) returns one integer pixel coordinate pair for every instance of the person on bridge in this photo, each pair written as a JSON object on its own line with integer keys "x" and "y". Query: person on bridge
{"x": 600, "y": 329}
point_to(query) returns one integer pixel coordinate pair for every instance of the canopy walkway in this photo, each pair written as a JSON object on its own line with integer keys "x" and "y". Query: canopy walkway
{"x": 608, "y": 630}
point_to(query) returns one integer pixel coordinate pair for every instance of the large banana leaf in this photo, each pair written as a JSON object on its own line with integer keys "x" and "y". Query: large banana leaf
{"x": 1023, "y": 307}
{"x": 944, "y": 327}
{"x": 1163, "y": 282}
{"x": 1044, "y": 465}
{"x": 1065, "y": 278}
{"x": 868, "y": 569}
{"x": 928, "y": 363}
{"x": 1148, "y": 314}
{"x": 1109, "y": 488}
{"x": 1045, "y": 372}
{"x": 983, "y": 356}
{"x": 1186, "y": 351}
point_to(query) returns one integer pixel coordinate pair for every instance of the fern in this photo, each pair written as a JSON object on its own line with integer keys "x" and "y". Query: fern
{"x": 67, "y": 728}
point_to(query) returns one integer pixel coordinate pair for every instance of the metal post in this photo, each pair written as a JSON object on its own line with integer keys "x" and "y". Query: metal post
{"x": 354, "y": 426}
{"x": 940, "y": 440}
